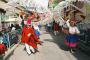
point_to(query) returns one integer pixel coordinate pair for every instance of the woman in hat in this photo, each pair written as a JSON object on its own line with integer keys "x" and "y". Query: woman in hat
{"x": 29, "y": 38}
{"x": 72, "y": 38}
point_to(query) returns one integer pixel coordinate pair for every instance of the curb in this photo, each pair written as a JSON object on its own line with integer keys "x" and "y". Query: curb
{"x": 10, "y": 52}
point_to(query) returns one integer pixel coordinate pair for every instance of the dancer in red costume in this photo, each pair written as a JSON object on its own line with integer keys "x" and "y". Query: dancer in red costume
{"x": 29, "y": 38}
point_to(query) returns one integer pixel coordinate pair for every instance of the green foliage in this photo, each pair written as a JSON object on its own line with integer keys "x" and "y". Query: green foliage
{"x": 55, "y": 3}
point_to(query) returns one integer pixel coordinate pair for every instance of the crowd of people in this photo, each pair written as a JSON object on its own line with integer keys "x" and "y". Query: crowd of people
{"x": 29, "y": 37}
{"x": 8, "y": 37}
{"x": 30, "y": 34}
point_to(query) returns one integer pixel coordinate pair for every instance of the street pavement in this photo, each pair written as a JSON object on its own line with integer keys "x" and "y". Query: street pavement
{"x": 53, "y": 48}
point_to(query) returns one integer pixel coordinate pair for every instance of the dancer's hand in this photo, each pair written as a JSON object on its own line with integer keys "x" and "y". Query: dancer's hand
{"x": 39, "y": 43}
{"x": 29, "y": 34}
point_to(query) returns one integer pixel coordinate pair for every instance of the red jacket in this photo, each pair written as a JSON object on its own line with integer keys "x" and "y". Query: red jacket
{"x": 32, "y": 40}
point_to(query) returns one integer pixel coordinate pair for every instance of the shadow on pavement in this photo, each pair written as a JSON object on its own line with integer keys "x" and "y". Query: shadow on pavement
{"x": 59, "y": 40}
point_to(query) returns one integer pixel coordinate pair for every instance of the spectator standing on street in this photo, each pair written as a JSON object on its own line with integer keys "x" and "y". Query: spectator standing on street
{"x": 18, "y": 28}
{"x": 37, "y": 30}
{"x": 12, "y": 27}
{"x": 56, "y": 28}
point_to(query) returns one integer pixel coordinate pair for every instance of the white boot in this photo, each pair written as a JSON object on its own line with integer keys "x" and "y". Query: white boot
{"x": 28, "y": 49}
{"x": 32, "y": 49}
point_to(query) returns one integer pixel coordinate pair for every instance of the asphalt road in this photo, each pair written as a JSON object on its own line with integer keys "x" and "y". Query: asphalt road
{"x": 53, "y": 49}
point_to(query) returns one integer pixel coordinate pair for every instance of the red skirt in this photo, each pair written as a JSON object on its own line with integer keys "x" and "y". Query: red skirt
{"x": 71, "y": 44}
